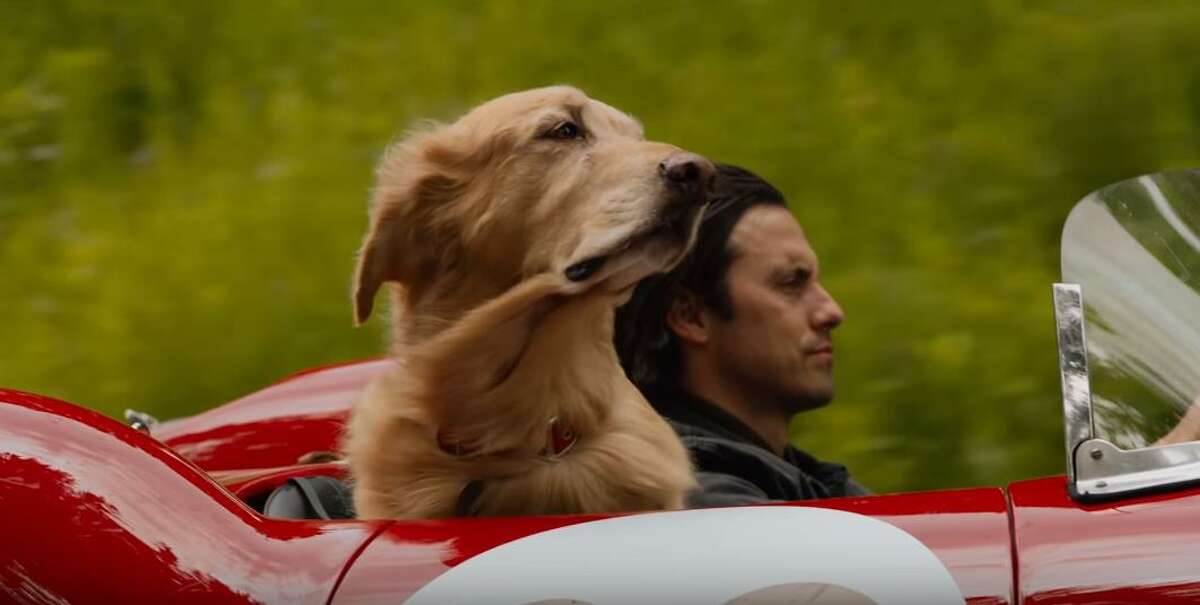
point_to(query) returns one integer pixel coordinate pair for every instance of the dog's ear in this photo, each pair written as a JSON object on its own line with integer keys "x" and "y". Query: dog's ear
{"x": 410, "y": 234}
{"x": 377, "y": 263}
{"x": 416, "y": 223}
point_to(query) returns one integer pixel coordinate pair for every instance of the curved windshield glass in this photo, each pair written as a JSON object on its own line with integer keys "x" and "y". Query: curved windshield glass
{"x": 1134, "y": 248}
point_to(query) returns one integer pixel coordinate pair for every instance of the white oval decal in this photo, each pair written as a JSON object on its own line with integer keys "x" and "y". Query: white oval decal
{"x": 748, "y": 555}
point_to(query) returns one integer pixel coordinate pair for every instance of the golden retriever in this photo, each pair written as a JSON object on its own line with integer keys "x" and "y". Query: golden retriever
{"x": 508, "y": 238}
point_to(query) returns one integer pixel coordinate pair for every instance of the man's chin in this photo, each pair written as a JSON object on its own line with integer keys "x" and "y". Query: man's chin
{"x": 812, "y": 400}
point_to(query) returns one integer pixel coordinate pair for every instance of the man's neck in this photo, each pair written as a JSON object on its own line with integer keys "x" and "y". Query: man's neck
{"x": 770, "y": 426}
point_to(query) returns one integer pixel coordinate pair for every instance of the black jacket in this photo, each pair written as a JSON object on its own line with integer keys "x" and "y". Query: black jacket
{"x": 735, "y": 466}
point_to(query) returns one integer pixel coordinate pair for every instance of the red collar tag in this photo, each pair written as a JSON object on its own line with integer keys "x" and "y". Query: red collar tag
{"x": 561, "y": 439}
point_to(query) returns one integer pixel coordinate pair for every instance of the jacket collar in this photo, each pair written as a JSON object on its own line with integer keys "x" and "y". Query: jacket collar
{"x": 684, "y": 407}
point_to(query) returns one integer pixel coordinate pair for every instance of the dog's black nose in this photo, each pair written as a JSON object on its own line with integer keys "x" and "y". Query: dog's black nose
{"x": 691, "y": 174}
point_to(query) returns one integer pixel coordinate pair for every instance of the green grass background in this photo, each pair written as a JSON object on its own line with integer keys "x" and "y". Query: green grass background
{"x": 183, "y": 184}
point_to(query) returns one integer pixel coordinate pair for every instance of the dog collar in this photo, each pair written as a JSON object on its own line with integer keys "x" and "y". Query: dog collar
{"x": 559, "y": 440}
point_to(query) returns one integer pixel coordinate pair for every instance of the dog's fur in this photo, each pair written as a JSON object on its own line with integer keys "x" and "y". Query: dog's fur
{"x": 475, "y": 224}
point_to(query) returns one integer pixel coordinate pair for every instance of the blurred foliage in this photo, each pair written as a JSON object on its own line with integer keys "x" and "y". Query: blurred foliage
{"x": 183, "y": 184}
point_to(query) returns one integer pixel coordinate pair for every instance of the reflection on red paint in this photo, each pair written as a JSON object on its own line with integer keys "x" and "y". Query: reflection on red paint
{"x": 275, "y": 426}
{"x": 1135, "y": 550}
{"x": 95, "y": 512}
{"x": 73, "y": 525}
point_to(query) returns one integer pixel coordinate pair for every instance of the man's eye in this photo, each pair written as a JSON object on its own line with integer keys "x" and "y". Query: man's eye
{"x": 564, "y": 131}
{"x": 795, "y": 280}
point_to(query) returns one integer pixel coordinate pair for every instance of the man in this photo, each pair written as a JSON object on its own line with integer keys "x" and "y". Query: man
{"x": 734, "y": 342}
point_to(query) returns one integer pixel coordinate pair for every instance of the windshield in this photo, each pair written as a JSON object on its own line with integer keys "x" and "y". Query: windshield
{"x": 1134, "y": 248}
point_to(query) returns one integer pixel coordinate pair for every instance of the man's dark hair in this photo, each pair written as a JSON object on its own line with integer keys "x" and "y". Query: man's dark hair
{"x": 648, "y": 349}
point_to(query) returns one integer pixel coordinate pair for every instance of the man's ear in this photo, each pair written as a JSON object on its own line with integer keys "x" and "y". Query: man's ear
{"x": 686, "y": 318}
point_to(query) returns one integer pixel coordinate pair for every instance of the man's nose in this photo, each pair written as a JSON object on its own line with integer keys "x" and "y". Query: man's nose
{"x": 829, "y": 314}
{"x": 688, "y": 173}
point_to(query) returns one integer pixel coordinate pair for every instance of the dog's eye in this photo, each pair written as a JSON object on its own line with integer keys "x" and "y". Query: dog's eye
{"x": 564, "y": 131}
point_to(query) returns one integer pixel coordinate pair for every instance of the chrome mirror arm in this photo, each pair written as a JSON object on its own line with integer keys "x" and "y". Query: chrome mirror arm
{"x": 1096, "y": 468}
{"x": 1073, "y": 368}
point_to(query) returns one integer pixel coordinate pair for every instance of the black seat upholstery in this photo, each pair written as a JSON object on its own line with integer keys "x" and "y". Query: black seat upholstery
{"x": 317, "y": 497}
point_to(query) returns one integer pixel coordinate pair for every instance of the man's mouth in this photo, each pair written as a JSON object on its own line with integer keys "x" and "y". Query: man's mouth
{"x": 825, "y": 349}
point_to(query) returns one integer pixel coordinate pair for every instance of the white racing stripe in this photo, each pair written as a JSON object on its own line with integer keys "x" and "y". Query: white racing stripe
{"x": 756, "y": 554}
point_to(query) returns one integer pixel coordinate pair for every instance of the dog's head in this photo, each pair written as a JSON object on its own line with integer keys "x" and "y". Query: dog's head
{"x": 546, "y": 180}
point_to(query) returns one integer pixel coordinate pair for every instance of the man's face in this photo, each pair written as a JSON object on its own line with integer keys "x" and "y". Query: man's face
{"x": 777, "y": 348}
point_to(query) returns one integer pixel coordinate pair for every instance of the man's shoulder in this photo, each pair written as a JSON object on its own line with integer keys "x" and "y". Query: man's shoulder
{"x": 696, "y": 437}
{"x": 716, "y": 453}
{"x": 720, "y": 443}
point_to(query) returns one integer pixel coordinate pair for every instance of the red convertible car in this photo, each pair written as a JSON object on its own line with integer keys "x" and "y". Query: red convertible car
{"x": 208, "y": 509}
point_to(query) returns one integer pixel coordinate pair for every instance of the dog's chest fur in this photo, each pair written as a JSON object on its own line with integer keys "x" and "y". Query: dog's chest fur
{"x": 492, "y": 383}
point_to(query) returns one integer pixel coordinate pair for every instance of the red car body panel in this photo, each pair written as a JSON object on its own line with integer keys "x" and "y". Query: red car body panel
{"x": 98, "y": 512}
{"x": 1135, "y": 550}
{"x": 966, "y": 529}
{"x": 275, "y": 426}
